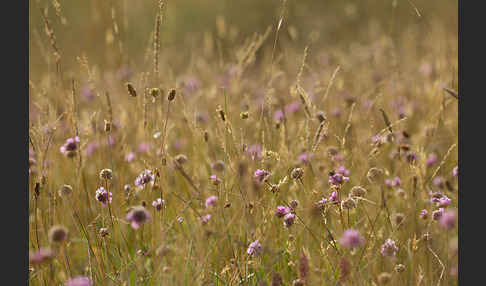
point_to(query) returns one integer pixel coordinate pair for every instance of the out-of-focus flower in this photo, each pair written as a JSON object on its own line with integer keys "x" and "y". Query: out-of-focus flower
{"x": 79, "y": 281}
{"x": 211, "y": 201}
{"x": 351, "y": 238}
{"x": 448, "y": 220}
{"x": 437, "y": 214}
{"x": 431, "y": 160}
{"x": 138, "y": 216}
{"x": 41, "y": 255}
{"x": 205, "y": 219}
{"x": 455, "y": 171}
{"x": 216, "y": 181}
{"x": 255, "y": 151}
{"x": 130, "y": 157}
{"x": 305, "y": 157}
{"x": 70, "y": 146}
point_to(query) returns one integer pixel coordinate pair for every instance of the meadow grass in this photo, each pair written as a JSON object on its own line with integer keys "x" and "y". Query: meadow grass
{"x": 279, "y": 158}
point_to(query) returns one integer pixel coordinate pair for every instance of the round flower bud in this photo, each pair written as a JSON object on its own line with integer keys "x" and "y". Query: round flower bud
{"x": 65, "y": 190}
{"x": 57, "y": 233}
{"x": 374, "y": 175}
{"x": 297, "y": 173}
{"x": 399, "y": 268}
{"x": 181, "y": 159}
{"x": 358, "y": 191}
{"x": 348, "y": 204}
{"x": 106, "y": 174}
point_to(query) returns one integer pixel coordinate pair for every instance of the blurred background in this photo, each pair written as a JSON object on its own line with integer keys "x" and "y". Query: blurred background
{"x": 87, "y": 27}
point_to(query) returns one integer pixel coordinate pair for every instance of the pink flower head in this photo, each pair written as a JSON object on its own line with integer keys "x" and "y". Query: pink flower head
{"x": 305, "y": 157}
{"x": 289, "y": 220}
{"x": 337, "y": 179}
{"x": 334, "y": 198}
{"x": 455, "y": 171}
{"x": 215, "y": 180}
{"x": 281, "y": 211}
{"x": 255, "y": 248}
{"x": 343, "y": 171}
{"x": 158, "y": 204}
{"x": 138, "y": 216}
{"x": 261, "y": 175}
{"x": 351, "y": 238}
{"x": 205, "y": 219}
{"x": 41, "y": 255}
{"x": 431, "y": 160}
{"x": 144, "y": 178}
{"x": 211, "y": 201}
{"x": 424, "y": 214}
{"x": 79, "y": 281}
{"x": 130, "y": 157}
{"x": 448, "y": 220}
{"x": 71, "y": 145}
{"x": 389, "y": 248}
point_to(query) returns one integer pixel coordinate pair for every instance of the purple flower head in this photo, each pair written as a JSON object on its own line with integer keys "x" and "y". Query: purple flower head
{"x": 395, "y": 182}
{"x": 79, "y": 281}
{"x": 103, "y": 196}
{"x": 205, "y": 219}
{"x": 424, "y": 214}
{"x": 138, "y": 216}
{"x": 343, "y": 171}
{"x": 70, "y": 146}
{"x": 289, "y": 220}
{"x": 211, "y": 201}
{"x": 255, "y": 248}
{"x": 351, "y": 238}
{"x": 41, "y": 255}
{"x": 130, "y": 157}
{"x": 389, "y": 248}
{"x": 337, "y": 179}
{"x": 305, "y": 157}
{"x": 278, "y": 115}
{"x": 411, "y": 157}
{"x": 338, "y": 157}
{"x": 334, "y": 198}
{"x": 437, "y": 214}
{"x": 455, "y": 171}
{"x": 448, "y": 220}
{"x": 292, "y": 107}
{"x": 111, "y": 141}
{"x": 431, "y": 160}
{"x": 439, "y": 182}
{"x": 255, "y": 151}
{"x": 144, "y": 178}
{"x": 143, "y": 147}
{"x": 216, "y": 181}
{"x": 261, "y": 175}
{"x": 281, "y": 211}
{"x": 158, "y": 204}
{"x": 443, "y": 202}
{"x": 91, "y": 148}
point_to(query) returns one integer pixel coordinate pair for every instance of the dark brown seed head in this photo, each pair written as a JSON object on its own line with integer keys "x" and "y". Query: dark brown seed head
{"x": 172, "y": 94}
{"x": 131, "y": 90}
{"x": 154, "y": 92}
